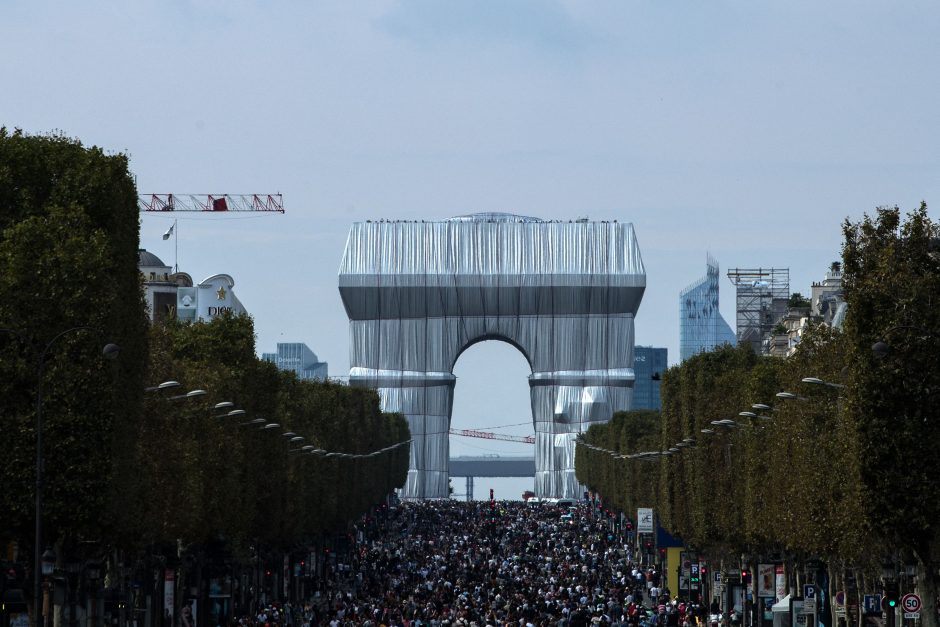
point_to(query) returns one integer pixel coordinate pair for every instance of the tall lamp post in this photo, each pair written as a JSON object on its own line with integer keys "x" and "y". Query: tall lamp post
{"x": 109, "y": 351}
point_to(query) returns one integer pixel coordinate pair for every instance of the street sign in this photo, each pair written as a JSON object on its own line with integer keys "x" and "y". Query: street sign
{"x": 809, "y": 605}
{"x": 717, "y": 576}
{"x": 871, "y": 604}
{"x": 910, "y": 603}
{"x": 809, "y": 592}
{"x": 911, "y": 614}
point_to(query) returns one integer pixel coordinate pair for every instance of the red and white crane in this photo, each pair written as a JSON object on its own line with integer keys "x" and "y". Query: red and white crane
{"x": 486, "y": 435}
{"x": 200, "y": 203}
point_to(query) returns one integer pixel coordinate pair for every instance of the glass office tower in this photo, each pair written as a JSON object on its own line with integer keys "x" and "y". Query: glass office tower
{"x": 298, "y": 357}
{"x": 701, "y": 327}
{"x": 649, "y": 364}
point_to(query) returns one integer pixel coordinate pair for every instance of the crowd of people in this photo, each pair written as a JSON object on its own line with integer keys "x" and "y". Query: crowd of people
{"x": 436, "y": 563}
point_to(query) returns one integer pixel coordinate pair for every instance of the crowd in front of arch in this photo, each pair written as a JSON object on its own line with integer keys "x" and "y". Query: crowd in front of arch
{"x": 502, "y": 563}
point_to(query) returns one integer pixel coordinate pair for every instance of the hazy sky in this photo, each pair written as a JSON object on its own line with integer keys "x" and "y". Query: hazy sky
{"x": 749, "y": 130}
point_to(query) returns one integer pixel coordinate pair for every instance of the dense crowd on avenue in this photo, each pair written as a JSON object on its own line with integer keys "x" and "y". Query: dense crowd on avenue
{"x": 495, "y": 564}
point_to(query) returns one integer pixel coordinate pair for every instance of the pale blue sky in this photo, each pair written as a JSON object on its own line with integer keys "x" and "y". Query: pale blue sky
{"x": 748, "y": 130}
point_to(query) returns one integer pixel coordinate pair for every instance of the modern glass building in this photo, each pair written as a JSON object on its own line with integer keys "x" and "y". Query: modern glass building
{"x": 701, "y": 327}
{"x": 649, "y": 364}
{"x": 297, "y": 357}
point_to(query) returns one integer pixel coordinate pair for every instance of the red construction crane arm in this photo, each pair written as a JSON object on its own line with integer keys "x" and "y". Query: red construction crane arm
{"x": 211, "y": 202}
{"x": 486, "y": 435}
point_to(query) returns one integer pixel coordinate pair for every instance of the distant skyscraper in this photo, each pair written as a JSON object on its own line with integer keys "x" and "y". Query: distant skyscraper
{"x": 297, "y": 357}
{"x": 649, "y": 365}
{"x": 701, "y": 327}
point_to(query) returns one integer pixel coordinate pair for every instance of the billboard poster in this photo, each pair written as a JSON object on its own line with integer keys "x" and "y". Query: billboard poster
{"x": 168, "y": 587}
{"x": 781, "y": 582}
{"x": 766, "y": 581}
{"x": 644, "y": 520}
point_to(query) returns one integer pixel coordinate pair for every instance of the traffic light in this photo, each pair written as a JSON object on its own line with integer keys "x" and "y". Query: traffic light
{"x": 491, "y": 494}
{"x": 745, "y": 576}
{"x": 892, "y": 594}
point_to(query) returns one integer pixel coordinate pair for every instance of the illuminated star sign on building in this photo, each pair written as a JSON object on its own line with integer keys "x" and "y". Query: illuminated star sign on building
{"x": 220, "y": 295}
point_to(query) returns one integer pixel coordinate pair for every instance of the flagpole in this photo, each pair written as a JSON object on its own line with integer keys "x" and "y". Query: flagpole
{"x": 176, "y": 245}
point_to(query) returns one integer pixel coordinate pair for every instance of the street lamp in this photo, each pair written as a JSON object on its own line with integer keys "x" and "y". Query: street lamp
{"x": 818, "y": 381}
{"x": 109, "y": 351}
{"x": 190, "y": 394}
{"x": 163, "y": 386}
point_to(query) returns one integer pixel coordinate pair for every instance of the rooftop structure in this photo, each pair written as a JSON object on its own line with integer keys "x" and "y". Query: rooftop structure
{"x": 762, "y": 295}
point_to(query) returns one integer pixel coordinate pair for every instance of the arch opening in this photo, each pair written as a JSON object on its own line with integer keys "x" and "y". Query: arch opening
{"x": 496, "y": 401}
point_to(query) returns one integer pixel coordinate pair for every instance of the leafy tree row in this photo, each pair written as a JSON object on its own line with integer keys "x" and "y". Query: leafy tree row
{"x": 68, "y": 259}
{"x": 198, "y": 474}
{"x": 840, "y": 473}
{"x": 135, "y": 470}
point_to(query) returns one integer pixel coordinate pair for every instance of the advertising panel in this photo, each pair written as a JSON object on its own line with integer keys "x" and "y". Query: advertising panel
{"x": 766, "y": 580}
{"x": 781, "y": 582}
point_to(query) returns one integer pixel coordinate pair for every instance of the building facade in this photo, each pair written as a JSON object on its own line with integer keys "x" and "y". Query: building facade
{"x": 826, "y": 306}
{"x": 701, "y": 326}
{"x": 826, "y": 298}
{"x": 298, "y": 358}
{"x": 649, "y": 364}
{"x": 171, "y": 294}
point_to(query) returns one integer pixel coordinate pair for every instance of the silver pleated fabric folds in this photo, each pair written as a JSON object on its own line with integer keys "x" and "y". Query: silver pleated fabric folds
{"x": 564, "y": 293}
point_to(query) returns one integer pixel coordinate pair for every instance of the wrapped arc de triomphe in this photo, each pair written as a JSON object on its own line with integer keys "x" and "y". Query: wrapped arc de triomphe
{"x": 564, "y": 293}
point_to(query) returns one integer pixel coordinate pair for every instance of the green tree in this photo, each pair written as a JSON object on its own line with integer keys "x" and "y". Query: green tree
{"x": 68, "y": 250}
{"x": 891, "y": 279}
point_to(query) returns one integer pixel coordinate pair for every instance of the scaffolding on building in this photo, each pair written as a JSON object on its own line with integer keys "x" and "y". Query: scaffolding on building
{"x": 762, "y": 295}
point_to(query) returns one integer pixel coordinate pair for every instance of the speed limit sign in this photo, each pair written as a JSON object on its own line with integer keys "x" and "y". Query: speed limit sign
{"x": 910, "y": 603}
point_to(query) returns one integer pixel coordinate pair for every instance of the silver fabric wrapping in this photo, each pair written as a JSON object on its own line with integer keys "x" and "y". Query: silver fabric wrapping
{"x": 564, "y": 293}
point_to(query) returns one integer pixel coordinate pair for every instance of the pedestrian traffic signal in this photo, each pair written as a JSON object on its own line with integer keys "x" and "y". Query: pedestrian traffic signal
{"x": 745, "y": 576}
